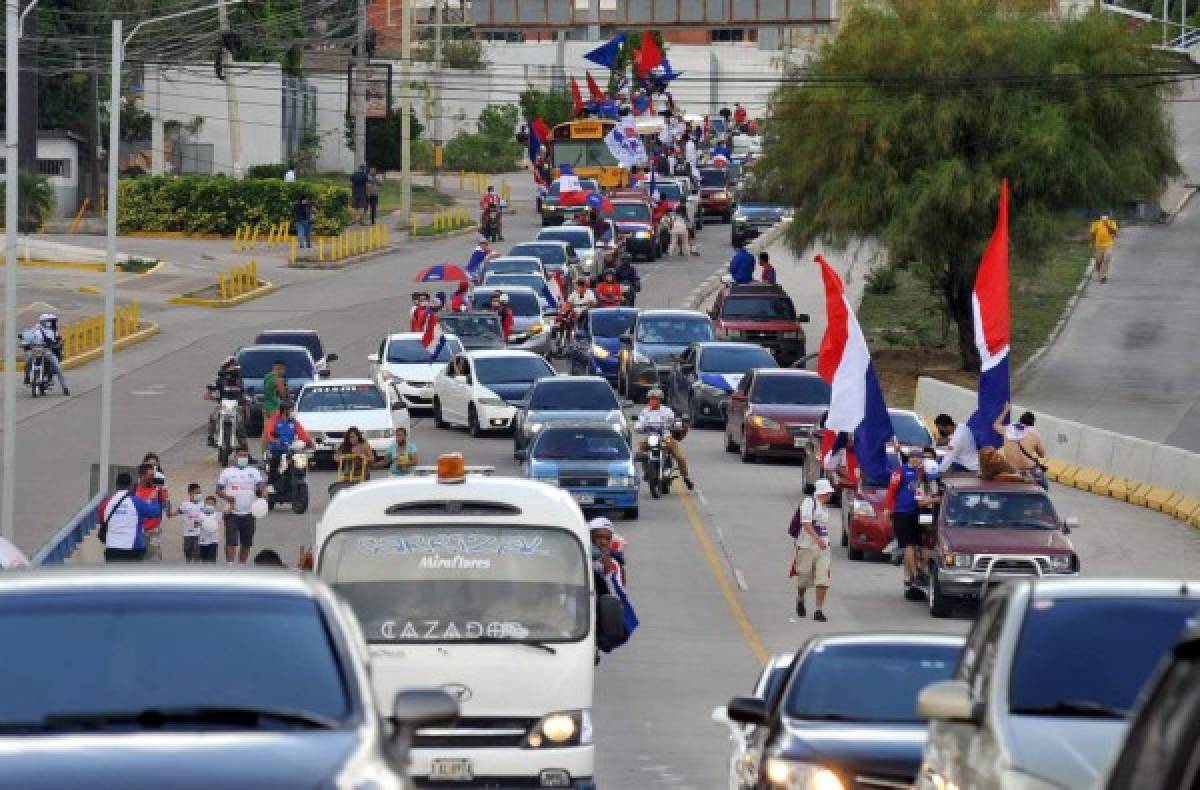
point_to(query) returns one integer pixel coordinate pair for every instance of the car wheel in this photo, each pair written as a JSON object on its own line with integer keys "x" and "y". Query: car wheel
{"x": 473, "y": 422}
{"x": 631, "y": 513}
{"x": 300, "y": 499}
{"x": 438, "y": 420}
{"x": 747, "y": 456}
{"x": 727, "y": 218}
{"x": 939, "y": 605}
{"x": 730, "y": 446}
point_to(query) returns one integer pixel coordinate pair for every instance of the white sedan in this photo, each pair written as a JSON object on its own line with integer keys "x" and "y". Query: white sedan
{"x": 480, "y": 389}
{"x": 405, "y": 368}
{"x": 743, "y": 770}
{"x": 328, "y": 408}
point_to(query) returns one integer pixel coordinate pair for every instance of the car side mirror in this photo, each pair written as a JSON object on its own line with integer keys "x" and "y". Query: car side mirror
{"x": 332, "y": 357}
{"x": 398, "y": 405}
{"x": 626, "y": 339}
{"x": 610, "y": 618}
{"x": 803, "y": 318}
{"x": 947, "y": 700}
{"x": 417, "y": 708}
{"x": 747, "y": 710}
{"x": 373, "y": 359}
{"x": 1070, "y": 524}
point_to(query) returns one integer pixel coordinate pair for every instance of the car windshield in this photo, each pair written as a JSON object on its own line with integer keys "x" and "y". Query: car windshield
{"x": 411, "y": 351}
{"x": 670, "y": 190}
{"x": 577, "y": 237}
{"x": 791, "y": 391}
{"x": 568, "y": 395}
{"x": 502, "y": 266}
{"x": 553, "y": 255}
{"x": 763, "y": 308}
{"x": 256, "y": 364}
{"x": 1001, "y": 510}
{"x": 594, "y": 444}
{"x": 611, "y": 323}
{"x": 461, "y": 583}
{"x": 165, "y": 651}
{"x": 534, "y": 281}
{"x": 716, "y": 359}
{"x": 511, "y": 370}
{"x": 522, "y": 303}
{"x": 910, "y": 430}
{"x": 583, "y": 153}
{"x": 870, "y": 682}
{"x": 712, "y": 177}
{"x": 340, "y": 397}
{"x": 308, "y": 340}
{"x": 1055, "y": 670}
{"x": 674, "y": 331}
{"x": 631, "y": 212}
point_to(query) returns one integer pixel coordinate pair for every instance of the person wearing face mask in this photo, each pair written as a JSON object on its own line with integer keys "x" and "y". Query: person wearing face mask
{"x": 210, "y": 531}
{"x": 192, "y": 514}
{"x": 152, "y": 487}
{"x": 239, "y": 485}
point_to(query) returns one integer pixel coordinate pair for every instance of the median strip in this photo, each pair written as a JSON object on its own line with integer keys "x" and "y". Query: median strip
{"x": 233, "y": 287}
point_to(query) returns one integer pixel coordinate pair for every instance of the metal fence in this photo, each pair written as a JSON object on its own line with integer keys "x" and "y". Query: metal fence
{"x": 61, "y": 546}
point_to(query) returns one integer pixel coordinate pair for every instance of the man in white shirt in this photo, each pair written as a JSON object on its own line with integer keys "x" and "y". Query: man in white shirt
{"x": 810, "y": 565}
{"x": 961, "y": 454}
{"x": 239, "y": 485}
{"x": 689, "y": 151}
{"x": 658, "y": 418}
{"x": 582, "y": 298}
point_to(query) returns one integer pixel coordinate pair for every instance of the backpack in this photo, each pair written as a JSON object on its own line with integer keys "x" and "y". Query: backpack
{"x": 797, "y": 524}
{"x": 102, "y": 533}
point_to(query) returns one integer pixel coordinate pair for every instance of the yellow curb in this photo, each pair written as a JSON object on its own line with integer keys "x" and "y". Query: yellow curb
{"x": 446, "y": 235}
{"x": 147, "y": 330}
{"x": 1118, "y": 488}
{"x": 1138, "y": 494}
{"x": 1157, "y": 498}
{"x": 172, "y": 234}
{"x": 1101, "y": 484}
{"x": 1054, "y": 468}
{"x": 1085, "y": 477}
{"x": 39, "y": 263}
{"x": 1067, "y": 475}
{"x": 1172, "y": 501}
{"x": 1185, "y": 507}
{"x": 263, "y": 289}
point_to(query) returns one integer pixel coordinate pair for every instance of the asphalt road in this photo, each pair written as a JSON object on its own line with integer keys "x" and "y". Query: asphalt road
{"x": 708, "y": 571}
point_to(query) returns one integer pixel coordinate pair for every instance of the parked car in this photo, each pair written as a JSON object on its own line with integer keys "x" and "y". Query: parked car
{"x": 530, "y": 331}
{"x": 715, "y": 195}
{"x": 404, "y": 364}
{"x": 706, "y": 374}
{"x": 750, "y": 220}
{"x": 596, "y": 346}
{"x": 481, "y": 389}
{"x": 846, "y": 715}
{"x": 1161, "y": 750}
{"x": 513, "y": 264}
{"x": 743, "y": 772}
{"x": 255, "y": 363}
{"x": 1050, "y": 671}
{"x": 476, "y": 330}
{"x": 556, "y": 256}
{"x": 591, "y": 461}
{"x": 760, "y": 313}
{"x": 582, "y": 241}
{"x": 154, "y": 709}
{"x": 575, "y": 399}
{"x": 329, "y": 407}
{"x": 646, "y": 350}
{"x": 554, "y": 213}
{"x": 644, "y": 237}
{"x": 773, "y": 413}
{"x": 299, "y": 337}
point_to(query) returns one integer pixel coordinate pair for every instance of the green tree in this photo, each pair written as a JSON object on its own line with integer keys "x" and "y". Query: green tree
{"x": 493, "y": 148}
{"x": 35, "y": 200}
{"x": 905, "y": 124}
{"x": 553, "y": 106}
{"x": 624, "y": 64}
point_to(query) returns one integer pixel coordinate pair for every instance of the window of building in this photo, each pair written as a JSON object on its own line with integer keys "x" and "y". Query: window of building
{"x": 729, "y": 35}
{"x": 55, "y": 167}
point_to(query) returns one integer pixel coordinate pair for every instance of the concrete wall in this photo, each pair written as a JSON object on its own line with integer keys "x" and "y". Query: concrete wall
{"x": 66, "y": 188}
{"x": 1076, "y": 443}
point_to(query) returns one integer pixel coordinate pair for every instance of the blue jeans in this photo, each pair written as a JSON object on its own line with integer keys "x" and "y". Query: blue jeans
{"x": 51, "y": 363}
{"x": 304, "y": 233}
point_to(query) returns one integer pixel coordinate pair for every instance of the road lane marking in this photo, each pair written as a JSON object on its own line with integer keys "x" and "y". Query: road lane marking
{"x": 761, "y": 654}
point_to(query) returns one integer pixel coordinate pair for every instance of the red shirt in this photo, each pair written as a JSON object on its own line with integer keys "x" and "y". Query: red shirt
{"x": 739, "y": 116}
{"x": 148, "y": 494}
{"x": 489, "y": 199}
{"x": 609, "y": 293}
{"x": 417, "y": 324}
{"x": 506, "y": 321}
{"x": 458, "y": 303}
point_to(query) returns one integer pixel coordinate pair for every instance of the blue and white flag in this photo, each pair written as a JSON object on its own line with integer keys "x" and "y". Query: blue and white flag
{"x": 625, "y": 145}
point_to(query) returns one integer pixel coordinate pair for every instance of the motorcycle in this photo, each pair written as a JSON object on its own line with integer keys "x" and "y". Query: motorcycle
{"x": 287, "y": 478}
{"x": 228, "y": 418}
{"x": 490, "y": 224}
{"x": 41, "y": 379}
{"x": 659, "y": 464}
{"x": 561, "y": 332}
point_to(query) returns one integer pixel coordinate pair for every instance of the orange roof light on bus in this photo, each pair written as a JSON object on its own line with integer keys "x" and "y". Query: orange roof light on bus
{"x": 451, "y": 468}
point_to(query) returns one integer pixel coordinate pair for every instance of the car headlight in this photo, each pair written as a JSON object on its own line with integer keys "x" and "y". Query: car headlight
{"x": 533, "y": 427}
{"x": 739, "y": 218}
{"x": 1061, "y": 562}
{"x": 788, "y": 775}
{"x": 642, "y": 234}
{"x": 863, "y": 509}
{"x": 567, "y": 728}
{"x": 498, "y": 403}
{"x": 536, "y": 329}
{"x": 957, "y": 560}
{"x": 722, "y": 196}
{"x": 622, "y": 481}
{"x": 638, "y": 356}
{"x": 599, "y": 352}
{"x": 766, "y": 423}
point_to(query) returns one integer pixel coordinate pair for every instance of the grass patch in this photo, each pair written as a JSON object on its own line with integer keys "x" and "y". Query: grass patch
{"x": 432, "y": 230}
{"x": 137, "y": 265}
{"x": 424, "y": 198}
{"x": 910, "y": 338}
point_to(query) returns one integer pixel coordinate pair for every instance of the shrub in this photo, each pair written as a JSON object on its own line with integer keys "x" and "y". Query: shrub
{"x": 204, "y": 204}
{"x": 493, "y": 149}
{"x": 266, "y": 171}
{"x": 881, "y": 280}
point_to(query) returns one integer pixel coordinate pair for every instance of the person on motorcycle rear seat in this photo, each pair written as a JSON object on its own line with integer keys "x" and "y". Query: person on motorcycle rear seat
{"x": 355, "y": 445}
{"x": 659, "y": 418}
{"x": 281, "y": 431}
{"x": 229, "y": 387}
{"x": 45, "y": 334}
{"x": 609, "y": 292}
{"x": 627, "y": 273}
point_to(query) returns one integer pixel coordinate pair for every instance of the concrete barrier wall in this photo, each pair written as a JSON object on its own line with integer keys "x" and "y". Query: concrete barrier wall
{"x": 1136, "y": 460}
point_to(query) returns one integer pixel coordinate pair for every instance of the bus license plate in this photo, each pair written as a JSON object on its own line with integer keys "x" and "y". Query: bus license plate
{"x": 797, "y": 442}
{"x": 450, "y": 769}
{"x": 585, "y": 499}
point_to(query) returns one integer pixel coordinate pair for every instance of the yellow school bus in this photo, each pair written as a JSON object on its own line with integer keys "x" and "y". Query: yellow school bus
{"x": 581, "y": 145}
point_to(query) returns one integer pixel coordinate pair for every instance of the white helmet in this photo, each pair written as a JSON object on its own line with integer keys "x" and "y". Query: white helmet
{"x": 655, "y": 393}
{"x": 503, "y": 298}
{"x": 600, "y": 522}
{"x": 47, "y": 318}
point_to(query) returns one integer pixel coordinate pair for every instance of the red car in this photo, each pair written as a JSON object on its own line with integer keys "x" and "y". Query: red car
{"x": 763, "y": 314}
{"x": 773, "y": 412}
{"x": 715, "y": 197}
{"x": 643, "y": 234}
{"x": 864, "y": 524}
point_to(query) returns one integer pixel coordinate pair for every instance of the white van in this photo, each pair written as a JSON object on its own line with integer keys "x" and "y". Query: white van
{"x": 483, "y": 586}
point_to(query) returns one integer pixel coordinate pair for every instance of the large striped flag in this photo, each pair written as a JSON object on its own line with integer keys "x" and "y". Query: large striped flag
{"x": 993, "y": 330}
{"x": 856, "y": 403}
{"x": 433, "y": 339}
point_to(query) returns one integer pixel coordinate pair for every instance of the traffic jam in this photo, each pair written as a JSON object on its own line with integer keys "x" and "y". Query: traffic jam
{"x": 447, "y": 621}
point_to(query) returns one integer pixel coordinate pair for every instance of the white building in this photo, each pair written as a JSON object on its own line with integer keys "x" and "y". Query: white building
{"x": 58, "y": 152}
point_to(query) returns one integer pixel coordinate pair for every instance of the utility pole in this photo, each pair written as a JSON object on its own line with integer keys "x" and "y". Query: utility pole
{"x": 593, "y": 20}
{"x": 437, "y": 102}
{"x": 359, "y": 85}
{"x": 11, "y": 79}
{"x": 28, "y": 86}
{"x": 406, "y": 113}
{"x": 233, "y": 112}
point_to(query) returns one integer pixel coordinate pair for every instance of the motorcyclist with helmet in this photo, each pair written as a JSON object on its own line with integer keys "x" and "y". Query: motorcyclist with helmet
{"x": 627, "y": 273}
{"x": 609, "y": 292}
{"x": 229, "y": 386}
{"x": 659, "y": 418}
{"x": 45, "y": 334}
{"x": 280, "y": 432}
{"x": 582, "y": 298}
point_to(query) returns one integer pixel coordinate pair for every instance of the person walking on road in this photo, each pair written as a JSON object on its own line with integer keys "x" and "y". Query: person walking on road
{"x": 1103, "y": 232}
{"x": 191, "y": 513}
{"x": 741, "y": 266}
{"x": 358, "y": 194}
{"x": 239, "y": 485}
{"x": 680, "y": 245}
{"x": 810, "y": 564}
{"x": 122, "y": 518}
{"x": 373, "y": 182}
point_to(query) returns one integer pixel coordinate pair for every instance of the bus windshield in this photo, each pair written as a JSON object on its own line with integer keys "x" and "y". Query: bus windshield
{"x": 583, "y": 153}
{"x": 461, "y": 583}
